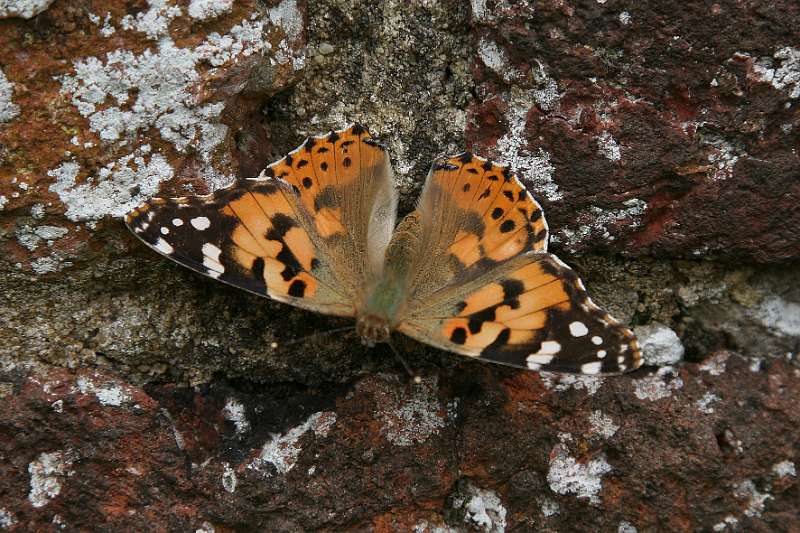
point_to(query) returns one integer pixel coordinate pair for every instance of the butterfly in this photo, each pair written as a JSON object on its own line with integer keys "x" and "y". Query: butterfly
{"x": 467, "y": 271}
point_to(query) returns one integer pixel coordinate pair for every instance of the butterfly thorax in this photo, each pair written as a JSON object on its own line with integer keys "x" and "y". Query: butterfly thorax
{"x": 380, "y": 310}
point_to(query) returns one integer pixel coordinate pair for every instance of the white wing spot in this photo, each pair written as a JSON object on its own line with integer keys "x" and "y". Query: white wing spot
{"x": 211, "y": 251}
{"x": 534, "y": 366}
{"x": 578, "y": 329}
{"x": 164, "y": 230}
{"x": 211, "y": 260}
{"x": 620, "y": 360}
{"x": 177, "y": 222}
{"x": 164, "y": 247}
{"x": 539, "y": 359}
{"x": 548, "y": 348}
{"x": 597, "y": 340}
{"x": 200, "y": 223}
{"x": 591, "y": 368}
{"x": 601, "y": 353}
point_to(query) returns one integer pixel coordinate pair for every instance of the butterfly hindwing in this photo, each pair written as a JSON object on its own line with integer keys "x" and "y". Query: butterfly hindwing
{"x": 533, "y": 313}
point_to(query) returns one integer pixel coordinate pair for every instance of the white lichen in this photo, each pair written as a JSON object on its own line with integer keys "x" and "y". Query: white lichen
{"x": 756, "y": 500}
{"x": 716, "y": 364}
{"x": 47, "y": 473}
{"x": 116, "y": 189}
{"x": 660, "y": 345}
{"x": 607, "y": 147}
{"x": 107, "y": 393}
{"x": 7, "y": 519}
{"x": 626, "y": 527}
{"x": 155, "y": 21}
{"x": 208, "y": 9}
{"x": 480, "y": 11}
{"x": 723, "y": 157}
{"x": 8, "y": 109}
{"x": 415, "y": 418}
{"x": 624, "y": 18}
{"x": 483, "y": 510}
{"x": 228, "y": 478}
{"x": 3, "y": 201}
{"x": 602, "y": 424}
{"x": 600, "y": 220}
{"x": 31, "y": 237}
{"x": 283, "y": 450}
{"x": 728, "y": 522}
{"x": 704, "y": 403}
{"x": 659, "y": 385}
{"x": 534, "y": 169}
{"x": 22, "y": 8}
{"x": 549, "y": 507}
{"x": 784, "y": 469}
{"x": 495, "y": 58}
{"x": 779, "y": 315}
{"x": 234, "y": 411}
{"x": 567, "y": 476}
{"x": 565, "y": 382}
{"x": 782, "y": 70}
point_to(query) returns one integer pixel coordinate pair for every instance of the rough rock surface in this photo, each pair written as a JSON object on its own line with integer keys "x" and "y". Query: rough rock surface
{"x": 662, "y": 143}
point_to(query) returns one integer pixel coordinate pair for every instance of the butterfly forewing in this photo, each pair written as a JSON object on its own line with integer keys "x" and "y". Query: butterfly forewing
{"x": 298, "y": 233}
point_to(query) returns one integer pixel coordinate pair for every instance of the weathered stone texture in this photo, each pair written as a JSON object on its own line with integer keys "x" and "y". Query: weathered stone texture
{"x": 660, "y": 139}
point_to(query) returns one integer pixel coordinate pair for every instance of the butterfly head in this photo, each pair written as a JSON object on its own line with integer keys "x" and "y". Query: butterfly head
{"x": 373, "y": 329}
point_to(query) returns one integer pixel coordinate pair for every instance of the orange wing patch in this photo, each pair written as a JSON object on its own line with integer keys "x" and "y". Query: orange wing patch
{"x": 511, "y": 221}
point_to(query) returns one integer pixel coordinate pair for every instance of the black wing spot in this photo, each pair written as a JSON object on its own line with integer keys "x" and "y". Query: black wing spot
{"x": 487, "y": 166}
{"x": 507, "y": 226}
{"x": 333, "y": 137}
{"x": 459, "y": 336}
{"x": 478, "y": 318}
{"x": 309, "y": 144}
{"x": 281, "y": 224}
{"x": 472, "y": 171}
{"x": 521, "y": 194}
{"x": 302, "y": 163}
{"x": 466, "y": 157}
{"x": 467, "y": 187}
{"x": 507, "y": 174}
{"x": 497, "y": 213}
{"x": 486, "y": 193}
{"x": 346, "y": 162}
{"x": 307, "y": 182}
{"x": 322, "y": 150}
{"x": 323, "y": 166}
{"x": 460, "y": 306}
{"x": 345, "y": 144}
{"x": 270, "y": 172}
{"x": 512, "y": 288}
{"x": 509, "y": 195}
{"x": 258, "y": 268}
{"x": 358, "y": 129}
{"x": 493, "y": 177}
{"x": 442, "y": 165}
{"x": 295, "y": 189}
{"x": 288, "y": 160}
{"x": 297, "y": 288}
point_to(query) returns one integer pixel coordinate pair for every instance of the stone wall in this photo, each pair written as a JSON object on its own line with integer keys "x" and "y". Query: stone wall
{"x": 661, "y": 140}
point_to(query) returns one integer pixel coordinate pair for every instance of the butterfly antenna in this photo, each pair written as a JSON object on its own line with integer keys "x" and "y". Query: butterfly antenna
{"x": 275, "y": 344}
{"x": 415, "y": 377}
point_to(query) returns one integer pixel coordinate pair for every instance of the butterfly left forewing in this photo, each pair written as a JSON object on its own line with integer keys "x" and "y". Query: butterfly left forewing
{"x": 252, "y": 235}
{"x": 532, "y": 313}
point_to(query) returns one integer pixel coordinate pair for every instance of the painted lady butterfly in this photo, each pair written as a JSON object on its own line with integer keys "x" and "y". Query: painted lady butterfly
{"x": 468, "y": 271}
